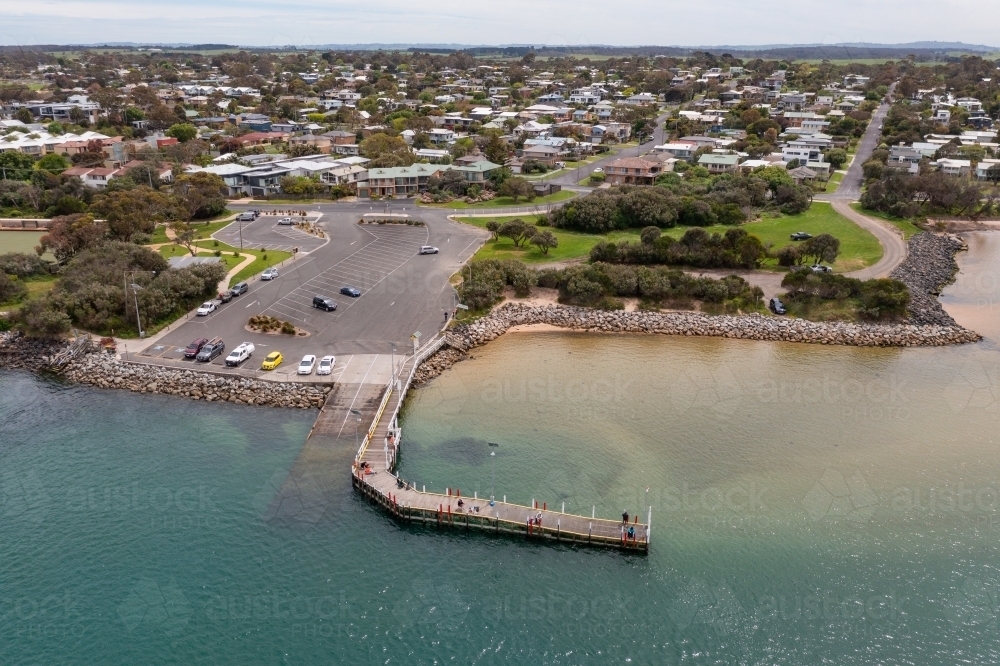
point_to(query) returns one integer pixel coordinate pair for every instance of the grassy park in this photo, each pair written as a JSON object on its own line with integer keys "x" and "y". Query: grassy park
{"x": 858, "y": 248}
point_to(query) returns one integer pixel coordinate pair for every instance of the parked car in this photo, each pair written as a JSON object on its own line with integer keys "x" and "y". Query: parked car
{"x": 269, "y": 274}
{"x": 801, "y": 235}
{"x": 212, "y": 348}
{"x": 286, "y": 222}
{"x": 326, "y": 365}
{"x": 350, "y": 291}
{"x": 239, "y": 288}
{"x": 272, "y": 361}
{"x": 207, "y": 308}
{"x": 240, "y": 354}
{"x": 226, "y": 296}
{"x": 560, "y": 165}
{"x": 820, "y": 268}
{"x": 246, "y": 216}
{"x": 324, "y": 303}
{"x": 428, "y": 249}
{"x": 307, "y": 364}
{"x": 192, "y": 349}
{"x": 777, "y": 307}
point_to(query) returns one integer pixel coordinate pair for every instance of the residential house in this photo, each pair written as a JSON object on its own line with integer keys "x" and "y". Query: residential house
{"x": 632, "y": 171}
{"x": 983, "y": 169}
{"x": 802, "y": 175}
{"x": 401, "y": 181}
{"x": 681, "y": 149}
{"x": 547, "y": 155}
{"x": 952, "y": 167}
{"x": 321, "y": 143}
{"x": 719, "y": 162}
{"x": 641, "y": 99}
{"x": 439, "y": 136}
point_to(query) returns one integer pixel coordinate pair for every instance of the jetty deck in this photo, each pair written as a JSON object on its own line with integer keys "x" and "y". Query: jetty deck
{"x": 373, "y": 474}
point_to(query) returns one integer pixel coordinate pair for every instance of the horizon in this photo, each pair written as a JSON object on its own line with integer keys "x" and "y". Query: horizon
{"x": 307, "y": 22}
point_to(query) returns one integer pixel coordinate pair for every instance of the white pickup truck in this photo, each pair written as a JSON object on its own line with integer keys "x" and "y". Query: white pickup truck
{"x": 240, "y": 354}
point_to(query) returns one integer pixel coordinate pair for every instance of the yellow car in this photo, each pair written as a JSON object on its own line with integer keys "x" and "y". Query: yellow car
{"x": 272, "y": 361}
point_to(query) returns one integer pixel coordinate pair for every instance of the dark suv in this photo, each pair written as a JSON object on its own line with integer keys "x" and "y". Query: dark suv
{"x": 777, "y": 307}
{"x": 324, "y": 303}
{"x": 192, "y": 349}
{"x": 210, "y": 350}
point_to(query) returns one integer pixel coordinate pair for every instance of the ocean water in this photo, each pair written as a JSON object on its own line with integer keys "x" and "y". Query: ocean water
{"x": 809, "y": 504}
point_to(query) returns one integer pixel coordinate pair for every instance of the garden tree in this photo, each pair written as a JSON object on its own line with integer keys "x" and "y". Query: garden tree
{"x": 823, "y": 247}
{"x": 421, "y": 140}
{"x": 462, "y": 147}
{"x": 837, "y": 157}
{"x": 517, "y": 230}
{"x": 38, "y": 317}
{"x": 183, "y": 132}
{"x": 144, "y": 97}
{"x": 11, "y": 290}
{"x": 70, "y": 234}
{"x": 496, "y": 150}
{"x": 793, "y": 199}
{"x": 24, "y": 115}
{"x": 135, "y": 211}
{"x": 649, "y": 235}
{"x": 201, "y": 194}
{"x": 300, "y": 185}
{"x": 872, "y": 169}
{"x": 160, "y": 117}
{"x": 53, "y": 163}
{"x": 775, "y": 177}
{"x": 544, "y": 240}
{"x": 493, "y": 226}
{"x": 993, "y": 174}
{"x": 516, "y": 188}
{"x": 734, "y": 249}
{"x": 386, "y": 151}
{"x": 790, "y": 255}
{"x": 55, "y": 129}
{"x": 15, "y": 165}
{"x": 184, "y": 234}
{"x": 302, "y": 150}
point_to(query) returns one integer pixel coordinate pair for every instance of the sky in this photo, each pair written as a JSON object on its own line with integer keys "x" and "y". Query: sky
{"x": 543, "y": 22}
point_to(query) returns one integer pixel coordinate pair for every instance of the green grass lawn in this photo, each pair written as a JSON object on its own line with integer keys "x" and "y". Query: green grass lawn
{"x": 834, "y": 182}
{"x": 908, "y": 228}
{"x": 37, "y": 285}
{"x": 228, "y": 259}
{"x": 572, "y": 244}
{"x": 274, "y": 257}
{"x": 506, "y": 202}
{"x": 202, "y": 228}
{"x": 858, "y": 248}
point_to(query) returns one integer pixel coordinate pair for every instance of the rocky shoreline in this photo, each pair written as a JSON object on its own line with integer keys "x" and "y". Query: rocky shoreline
{"x": 108, "y": 371}
{"x": 929, "y": 266}
{"x": 743, "y": 327}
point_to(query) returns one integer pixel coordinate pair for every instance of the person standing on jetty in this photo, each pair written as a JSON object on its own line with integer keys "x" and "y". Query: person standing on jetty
{"x": 624, "y": 517}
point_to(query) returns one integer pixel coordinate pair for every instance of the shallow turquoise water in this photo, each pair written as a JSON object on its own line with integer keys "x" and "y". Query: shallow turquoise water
{"x": 808, "y": 505}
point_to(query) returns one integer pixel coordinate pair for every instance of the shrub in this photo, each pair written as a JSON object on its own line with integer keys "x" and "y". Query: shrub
{"x": 11, "y": 290}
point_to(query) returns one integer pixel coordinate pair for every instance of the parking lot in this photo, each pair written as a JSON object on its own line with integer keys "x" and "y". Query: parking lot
{"x": 267, "y": 233}
{"x": 402, "y": 292}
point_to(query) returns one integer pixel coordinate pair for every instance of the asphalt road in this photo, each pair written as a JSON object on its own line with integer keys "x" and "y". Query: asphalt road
{"x": 402, "y": 292}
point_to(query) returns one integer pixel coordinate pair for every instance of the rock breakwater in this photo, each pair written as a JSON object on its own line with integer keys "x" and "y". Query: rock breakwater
{"x": 108, "y": 371}
{"x": 928, "y": 267}
{"x": 744, "y": 327}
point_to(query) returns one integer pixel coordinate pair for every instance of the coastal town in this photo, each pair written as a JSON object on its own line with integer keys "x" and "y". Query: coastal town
{"x": 385, "y": 241}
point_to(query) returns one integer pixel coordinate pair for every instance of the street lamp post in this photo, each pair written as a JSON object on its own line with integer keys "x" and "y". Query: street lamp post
{"x": 393, "y": 345}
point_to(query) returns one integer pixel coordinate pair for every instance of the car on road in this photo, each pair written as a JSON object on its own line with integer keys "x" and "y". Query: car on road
{"x": 801, "y": 235}
{"x": 192, "y": 349}
{"x": 326, "y": 365}
{"x": 272, "y": 361}
{"x": 353, "y": 292}
{"x": 820, "y": 268}
{"x": 307, "y": 364}
{"x": 598, "y": 170}
{"x": 239, "y": 288}
{"x": 324, "y": 303}
{"x": 269, "y": 274}
{"x": 428, "y": 249}
{"x": 286, "y": 222}
{"x": 212, "y": 348}
{"x": 207, "y": 308}
{"x": 776, "y": 306}
{"x": 226, "y": 296}
{"x": 240, "y": 354}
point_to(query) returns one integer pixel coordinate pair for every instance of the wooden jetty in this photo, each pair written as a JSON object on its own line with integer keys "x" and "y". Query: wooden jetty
{"x": 373, "y": 474}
